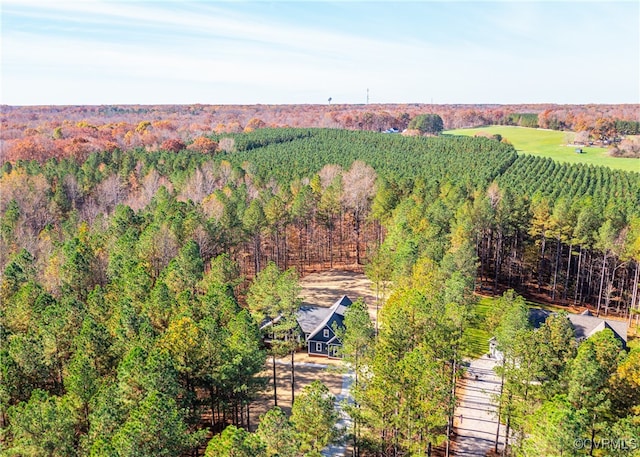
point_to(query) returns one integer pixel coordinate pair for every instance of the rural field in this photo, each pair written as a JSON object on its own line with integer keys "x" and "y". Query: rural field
{"x": 553, "y": 144}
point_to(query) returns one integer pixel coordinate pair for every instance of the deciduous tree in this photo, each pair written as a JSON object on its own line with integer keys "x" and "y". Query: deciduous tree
{"x": 358, "y": 190}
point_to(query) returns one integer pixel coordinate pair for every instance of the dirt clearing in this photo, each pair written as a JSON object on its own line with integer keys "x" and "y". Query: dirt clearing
{"x": 324, "y": 289}
{"x": 319, "y": 289}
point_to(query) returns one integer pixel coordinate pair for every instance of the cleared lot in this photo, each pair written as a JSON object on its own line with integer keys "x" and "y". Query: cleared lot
{"x": 324, "y": 289}
{"x": 321, "y": 289}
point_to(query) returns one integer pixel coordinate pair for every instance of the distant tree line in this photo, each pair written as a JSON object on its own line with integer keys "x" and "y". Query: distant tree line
{"x": 41, "y": 132}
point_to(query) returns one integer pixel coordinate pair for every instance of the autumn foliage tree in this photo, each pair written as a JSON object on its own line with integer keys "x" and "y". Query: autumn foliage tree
{"x": 203, "y": 145}
{"x": 172, "y": 145}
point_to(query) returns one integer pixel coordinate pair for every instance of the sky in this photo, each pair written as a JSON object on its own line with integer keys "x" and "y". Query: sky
{"x": 275, "y": 52}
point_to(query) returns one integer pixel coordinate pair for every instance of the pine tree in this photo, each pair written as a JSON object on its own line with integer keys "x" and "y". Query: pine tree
{"x": 314, "y": 417}
{"x": 235, "y": 442}
{"x": 42, "y": 427}
{"x": 277, "y": 433}
{"x": 273, "y": 299}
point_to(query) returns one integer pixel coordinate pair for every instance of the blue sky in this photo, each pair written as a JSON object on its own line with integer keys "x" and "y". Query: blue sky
{"x": 152, "y": 52}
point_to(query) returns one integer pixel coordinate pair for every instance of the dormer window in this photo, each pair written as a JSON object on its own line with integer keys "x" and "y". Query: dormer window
{"x": 325, "y": 333}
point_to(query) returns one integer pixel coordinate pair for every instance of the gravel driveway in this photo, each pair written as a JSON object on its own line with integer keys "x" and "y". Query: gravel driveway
{"x": 476, "y": 420}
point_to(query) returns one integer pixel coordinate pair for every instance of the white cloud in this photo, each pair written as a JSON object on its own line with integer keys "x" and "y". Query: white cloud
{"x": 103, "y": 52}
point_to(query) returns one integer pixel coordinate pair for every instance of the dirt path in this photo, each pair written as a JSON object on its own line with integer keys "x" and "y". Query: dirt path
{"x": 475, "y": 420}
{"x": 308, "y": 369}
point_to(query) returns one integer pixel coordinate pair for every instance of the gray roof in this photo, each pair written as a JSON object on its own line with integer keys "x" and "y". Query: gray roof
{"x": 537, "y": 316}
{"x": 584, "y": 325}
{"x": 312, "y": 319}
{"x": 339, "y": 308}
{"x": 309, "y": 317}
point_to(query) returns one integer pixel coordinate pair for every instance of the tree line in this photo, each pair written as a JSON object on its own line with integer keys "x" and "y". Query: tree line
{"x": 45, "y": 132}
{"x": 296, "y": 197}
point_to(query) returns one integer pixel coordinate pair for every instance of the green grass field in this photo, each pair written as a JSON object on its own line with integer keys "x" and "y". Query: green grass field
{"x": 552, "y": 144}
{"x": 476, "y": 338}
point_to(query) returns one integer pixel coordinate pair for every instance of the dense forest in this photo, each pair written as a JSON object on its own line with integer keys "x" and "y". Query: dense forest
{"x": 129, "y": 318}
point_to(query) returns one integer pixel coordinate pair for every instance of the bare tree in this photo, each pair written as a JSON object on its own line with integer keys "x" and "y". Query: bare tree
{"x": 110, "y": 192}
{"x": 148, "y": 187}
{"x": 328, "y": 173}
{"x": 72, "y": 190}
{"x": 359, "y": 189}
{"x": 227, "y": 144}
{"x": 200, "y": 184}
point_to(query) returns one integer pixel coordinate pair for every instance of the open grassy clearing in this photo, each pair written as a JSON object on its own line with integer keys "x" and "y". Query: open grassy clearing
{"x": 552, "y": 144}
{"x": 476, "y": 337}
